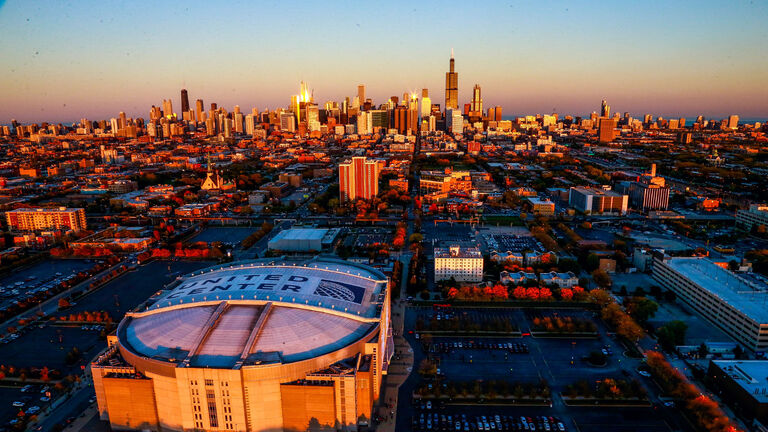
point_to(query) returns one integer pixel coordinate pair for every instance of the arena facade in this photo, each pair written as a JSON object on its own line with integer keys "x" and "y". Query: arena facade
{"x": 251, "y": 346}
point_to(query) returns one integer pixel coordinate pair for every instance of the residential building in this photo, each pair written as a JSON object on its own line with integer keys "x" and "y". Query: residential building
{"x": 39, "y": 219}
{"x": 460, "y": 263}
{"x": 358, "y": 179}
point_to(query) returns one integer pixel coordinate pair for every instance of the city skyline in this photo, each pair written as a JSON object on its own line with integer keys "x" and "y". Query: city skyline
{"x": 551, "y": 59}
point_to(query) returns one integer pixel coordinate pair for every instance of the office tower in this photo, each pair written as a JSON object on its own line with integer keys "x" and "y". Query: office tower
{"x": 214, "y": 107}
{"x": 380, "y": 119}
{"x": 605, "y": 109}
{"x": 358, "y": 179}
{"x": 123, "y": 121}
{"x": 312, "y": 116}
{"x": 361, "y": 94}
{"x": 607, "y": 129}
{"x": 454, "y": 121}
{"x": 184, "y": 101}
{"x": 250, "y": 125}
{"x": 733, "y": 122}
{"x": 167, "y": 108}
{"x": 476, "y": 107}
{"x": 426, "y": 103}
{"x": 451, "y": 86}
{"x": 287, "y": 122}
{"x": 114, "y": 125}
{"x": 365, "y": 123}
{"x": 238, "y": 118}
{"x": 413, "y": 115}
{"x": 400, "y": 120}
{"x": 496, "y": 114}
{"x": 199, "y": 109}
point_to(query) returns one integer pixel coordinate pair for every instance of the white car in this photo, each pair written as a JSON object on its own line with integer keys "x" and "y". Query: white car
{"x": 18, "y": 404}
{"x": 644, "y": 373}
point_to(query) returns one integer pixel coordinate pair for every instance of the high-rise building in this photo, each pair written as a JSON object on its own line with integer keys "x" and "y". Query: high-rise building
{"x": 400, "y": 120}
{"x": 167, "y": 108}
{"x": 413, "y": 116}
{"x": 361, "y": 94}
{"x": 494, "y": 114}
{"x": 451, "y": 86}
{"x": 607, "y": 129}
{"x": 454, "y": 121}
{"x": 123, "y": 120}
{"x": 426, "y": 103}
{"x": 184, "y": 101}
{"x": 250, "y": 124}
{"x": 287, "y": 122}
{"x": 199, "y": 109}
{"x": 365, "y": 123}
{"x": 733, "y": 122}
{"x": 358, "y": 179}
{"x": 476, "y": 106}
{"x": 605, "y": 109}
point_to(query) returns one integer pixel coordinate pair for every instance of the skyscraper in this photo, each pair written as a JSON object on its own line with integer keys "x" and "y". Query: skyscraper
{"x": 184, "y": 101}
{"x": 476, "y": 107}
{"x": 451, "y": 87}
{"x": 605, "y": 109}
{"x": 167, "y": 108}
{"x": 358, "y": 179}
{"x": 426, "y": 103}
{"x": 361, "y": 94}
{"x": 199, "y": 108}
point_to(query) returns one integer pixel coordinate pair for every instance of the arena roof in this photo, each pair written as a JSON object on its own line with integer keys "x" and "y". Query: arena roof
{"x": 258, "y": 312}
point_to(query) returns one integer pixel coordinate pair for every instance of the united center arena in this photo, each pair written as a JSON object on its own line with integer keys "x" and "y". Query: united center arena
{"x": 251, "y": 346}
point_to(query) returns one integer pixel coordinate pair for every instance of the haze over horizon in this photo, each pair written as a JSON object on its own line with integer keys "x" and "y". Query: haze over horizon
{"x": 89, "y": 59}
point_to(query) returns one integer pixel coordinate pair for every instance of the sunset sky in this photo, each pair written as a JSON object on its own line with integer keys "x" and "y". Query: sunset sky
{"x": 65, "y": 60}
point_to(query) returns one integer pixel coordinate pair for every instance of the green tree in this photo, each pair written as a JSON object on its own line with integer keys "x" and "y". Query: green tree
{"x": 641, "y": 309}
{"x": 671, "y": 334}
{"x": 601, "y": 278}
{"x": 415, "y": 238}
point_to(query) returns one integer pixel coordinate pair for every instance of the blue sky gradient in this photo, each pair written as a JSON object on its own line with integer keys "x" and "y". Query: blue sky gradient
{"x": 65, "y": 60}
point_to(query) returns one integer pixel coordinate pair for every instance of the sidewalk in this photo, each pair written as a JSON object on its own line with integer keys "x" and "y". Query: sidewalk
{"x": 399, "y": 369}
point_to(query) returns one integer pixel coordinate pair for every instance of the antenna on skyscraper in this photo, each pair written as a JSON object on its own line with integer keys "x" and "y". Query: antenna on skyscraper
{"x": 451, "y": 52}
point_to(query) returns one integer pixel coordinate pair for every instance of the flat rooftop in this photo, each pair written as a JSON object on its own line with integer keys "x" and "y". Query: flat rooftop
{"x": 751, "y": 375}
{"x": 749, "y": 296}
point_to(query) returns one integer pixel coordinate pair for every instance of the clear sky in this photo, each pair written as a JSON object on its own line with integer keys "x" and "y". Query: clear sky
{"x": 62, "y": 60}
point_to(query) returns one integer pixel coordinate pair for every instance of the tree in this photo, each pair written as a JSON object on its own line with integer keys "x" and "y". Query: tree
{"x": 671, "y": 334}
{"x": 63, "y": 303}
{"x": 599, "y": 297}
{"x": 415, "y": 238}
{"x": 601, "y": 278}
{"x": 641, "y": 308}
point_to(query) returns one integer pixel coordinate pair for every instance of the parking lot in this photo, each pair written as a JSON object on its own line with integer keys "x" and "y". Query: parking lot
{"x": 48, "y": 345}
{"x": 231, "y": 235}
{"x": 558, "y": 361}
{"x": 22, "y": 284}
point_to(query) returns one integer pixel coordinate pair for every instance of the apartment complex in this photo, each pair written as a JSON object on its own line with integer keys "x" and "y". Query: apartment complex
{"x": 358, "y": 179}
{"x": 38, "y": 219}
{"x": 736, "y": 303}
{"x": 460, "y": 263}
